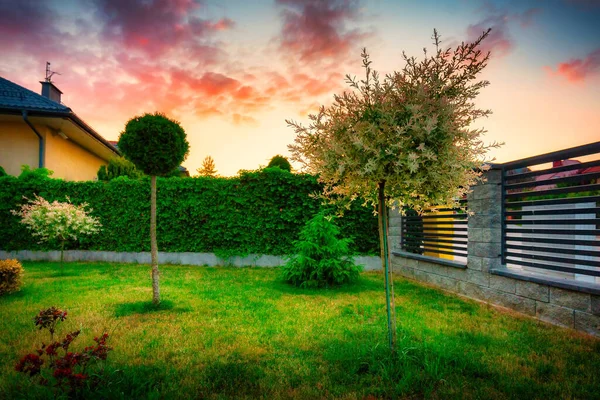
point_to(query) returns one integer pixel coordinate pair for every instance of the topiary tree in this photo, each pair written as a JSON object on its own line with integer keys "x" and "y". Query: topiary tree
{"x": 156, "y": 145}
{"x": 280, "y": 162}
{"x": 118, "y": 166}
{"x": 321, "y": 258}
{"x": 208, "y": 167}
{"x": 2, "y": 172}
{"x": 405, "y": 141}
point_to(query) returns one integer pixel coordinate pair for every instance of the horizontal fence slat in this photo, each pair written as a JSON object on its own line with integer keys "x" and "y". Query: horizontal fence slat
{"x": 584, "y": 150}
{"x": 570, "y": 189}
{"x": 554, "y": 267}
{"x": 440, "y": 216}
{"x": 410, "y": 230}
{"x": 429, "y": 223}
{"x": 450, "y": 253}
{"x": 572, "y": 221}
{"x": 441, "y": 235}
{"x": 441, "y": 228}
{"x": 538, "y": 249}
{"x": 433, "y": 240}
{"x": 542, "y": 231}
{"x": 551, "y": 202}
{"x": 441, "y": 246}
{"x": 532, "y": 174}
{"x": 579, "y": 178}
{"x": 554, "y": 241}
{"x": 590, "y": 263}
{"x": 595, "y": 210}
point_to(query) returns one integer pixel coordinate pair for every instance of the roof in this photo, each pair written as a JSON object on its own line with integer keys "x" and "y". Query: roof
{"x": 15, "y": 99}
{"x": 13, "y": 96}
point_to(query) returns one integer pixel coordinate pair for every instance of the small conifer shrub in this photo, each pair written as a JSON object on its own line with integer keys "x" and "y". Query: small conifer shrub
{"x": 11, "y": 275}
{"x": 321, "y": 259}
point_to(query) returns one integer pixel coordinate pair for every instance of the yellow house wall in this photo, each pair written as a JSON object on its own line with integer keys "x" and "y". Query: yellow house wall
{"x": 19, "y": 145}
{"x": 70, "y": 161}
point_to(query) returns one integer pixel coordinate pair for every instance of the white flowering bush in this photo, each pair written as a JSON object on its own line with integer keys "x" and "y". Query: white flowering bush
{"x": 57, "y": 221}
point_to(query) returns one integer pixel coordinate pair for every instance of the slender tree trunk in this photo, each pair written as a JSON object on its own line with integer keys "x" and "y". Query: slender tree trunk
{"x": 389, "y": 281}
{"x": 153, "y": 244}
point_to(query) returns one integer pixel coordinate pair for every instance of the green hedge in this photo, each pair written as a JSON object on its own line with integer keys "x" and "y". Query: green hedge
{"x": 258, "y": 212}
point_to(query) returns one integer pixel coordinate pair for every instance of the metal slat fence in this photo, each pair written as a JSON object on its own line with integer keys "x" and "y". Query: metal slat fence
{"x": 551, "y": 215}
{"x": 441, "y": 234}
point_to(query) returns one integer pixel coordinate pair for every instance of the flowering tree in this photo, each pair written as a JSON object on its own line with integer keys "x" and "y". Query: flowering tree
{"x": 404, "y": 141}
{"x": 57, "y": 221}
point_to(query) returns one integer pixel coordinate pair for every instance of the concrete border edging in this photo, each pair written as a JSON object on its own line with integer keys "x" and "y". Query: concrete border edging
{"x": 370, "y": 263}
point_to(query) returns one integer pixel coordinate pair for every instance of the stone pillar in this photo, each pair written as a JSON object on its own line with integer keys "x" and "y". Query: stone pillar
{"x": 485, "y": 231}
{"x": 394, "y": 229}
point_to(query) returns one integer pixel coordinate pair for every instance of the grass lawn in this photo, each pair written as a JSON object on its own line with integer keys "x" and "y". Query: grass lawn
{"x": 241, "y": 333}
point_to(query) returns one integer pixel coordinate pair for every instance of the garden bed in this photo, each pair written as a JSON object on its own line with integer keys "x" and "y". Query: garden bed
{"x": 231, "y": 332}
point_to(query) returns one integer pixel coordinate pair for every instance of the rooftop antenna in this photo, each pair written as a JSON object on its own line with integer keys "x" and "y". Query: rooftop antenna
{"x": 49, "y": 73}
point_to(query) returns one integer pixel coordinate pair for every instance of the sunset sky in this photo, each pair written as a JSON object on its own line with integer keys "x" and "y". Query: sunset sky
{"x": 232, "y": 71}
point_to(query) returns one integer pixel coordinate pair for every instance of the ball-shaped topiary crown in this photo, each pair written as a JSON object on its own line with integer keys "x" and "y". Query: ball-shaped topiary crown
{"x": 154, "y": 143}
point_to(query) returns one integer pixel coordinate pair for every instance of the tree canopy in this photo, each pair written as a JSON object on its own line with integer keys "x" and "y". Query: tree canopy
{"x": 281, "y": 162}
{"x": 156, "y": 144}
{"x": 208, "y": 167}
{"x": 118, "y": 166}
{"x": 412, "y": 130}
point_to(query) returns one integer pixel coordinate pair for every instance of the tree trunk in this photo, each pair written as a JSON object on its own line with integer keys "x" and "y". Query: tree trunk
{"x": 389, "y": 281}
{"x": 153, "y": 244}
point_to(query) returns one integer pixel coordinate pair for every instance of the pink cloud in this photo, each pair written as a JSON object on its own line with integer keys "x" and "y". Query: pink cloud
{"x": 313, "y": 29}
{"x": 577, "y": 70}
{"x": 129, "y": 57}
{"x": 157, "y": 27}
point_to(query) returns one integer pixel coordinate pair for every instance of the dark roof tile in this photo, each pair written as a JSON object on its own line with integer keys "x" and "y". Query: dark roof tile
{"x": 13, "y": 96}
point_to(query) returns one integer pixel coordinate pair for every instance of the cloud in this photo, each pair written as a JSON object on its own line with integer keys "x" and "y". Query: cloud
{"x": 239, "y": 119}
{"x": 124, "y": 58}
{"x": 315, "y": 30}
{"x": 577, "y": 70}
{"x": 158, "y": 27}
{"x": 499, "y": 42}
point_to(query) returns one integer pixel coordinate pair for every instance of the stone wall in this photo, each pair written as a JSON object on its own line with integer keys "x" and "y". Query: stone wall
{"x": 571, "y": 304}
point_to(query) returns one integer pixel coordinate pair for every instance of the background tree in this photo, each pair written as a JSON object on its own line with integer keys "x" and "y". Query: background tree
{"x": 156, "y": 145}
{"x": 406, "y": 141}
{"x": 280, "y": 162}
{"x": 118, "y": 166}
{"x": 208, "y": 167}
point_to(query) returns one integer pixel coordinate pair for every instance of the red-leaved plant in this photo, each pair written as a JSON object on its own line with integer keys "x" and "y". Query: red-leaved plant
{"x": 65, "y": 369}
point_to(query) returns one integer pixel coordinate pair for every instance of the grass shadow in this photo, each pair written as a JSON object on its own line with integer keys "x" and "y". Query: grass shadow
{"x": 147, "y": 307}
{"x": 363, "y": 284}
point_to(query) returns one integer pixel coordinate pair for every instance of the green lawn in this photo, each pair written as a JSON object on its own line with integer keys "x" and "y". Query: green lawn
{"x": 240, "y": 332}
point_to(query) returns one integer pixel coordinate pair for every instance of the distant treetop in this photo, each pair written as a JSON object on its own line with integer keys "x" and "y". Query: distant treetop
{"x": 281, "y": 162}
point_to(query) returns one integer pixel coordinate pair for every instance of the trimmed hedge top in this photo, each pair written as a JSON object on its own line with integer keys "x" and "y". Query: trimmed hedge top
{"x": 258, "y": 212}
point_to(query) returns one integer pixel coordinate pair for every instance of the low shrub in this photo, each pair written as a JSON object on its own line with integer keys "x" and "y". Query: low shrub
{"x": 54, "y": 364}
{"x": 321, "y": 259}
{"x": 11, "y": 275}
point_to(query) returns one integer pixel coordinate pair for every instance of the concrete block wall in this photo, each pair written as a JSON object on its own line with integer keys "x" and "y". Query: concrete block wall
{"x": 484, "y": 278}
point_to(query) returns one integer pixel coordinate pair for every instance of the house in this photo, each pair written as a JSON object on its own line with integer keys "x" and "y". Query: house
{"x": 39, "y": 131}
